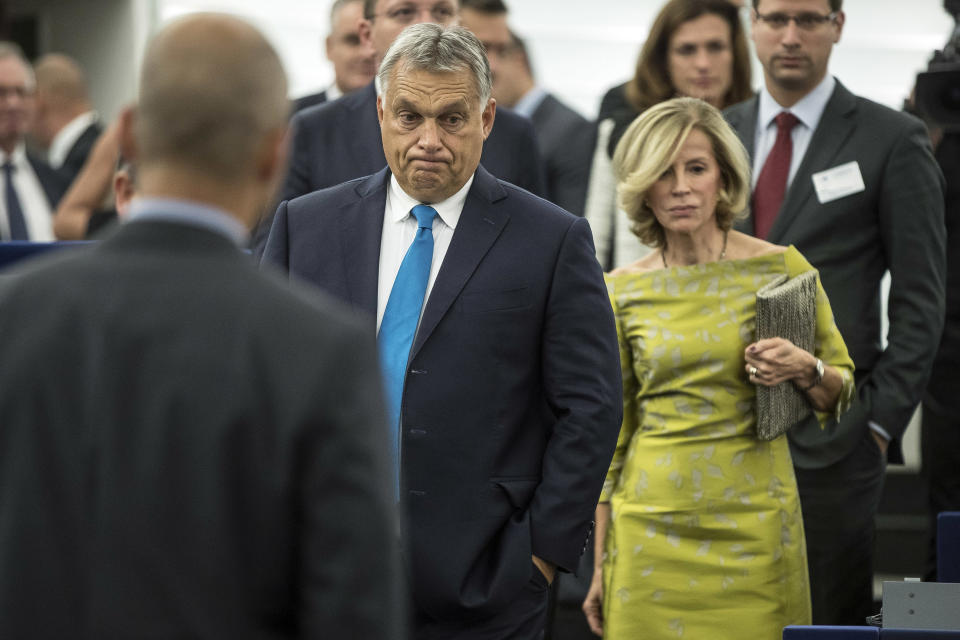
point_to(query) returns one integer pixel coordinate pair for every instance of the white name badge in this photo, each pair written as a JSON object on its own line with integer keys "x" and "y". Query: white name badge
{"x": 840, "y": 181}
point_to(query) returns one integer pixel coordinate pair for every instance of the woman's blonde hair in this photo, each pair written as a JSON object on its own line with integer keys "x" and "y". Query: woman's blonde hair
{"x": 648, "y": 148}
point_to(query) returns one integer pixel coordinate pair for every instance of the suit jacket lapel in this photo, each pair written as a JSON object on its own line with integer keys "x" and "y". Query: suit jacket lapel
{"x": 479, "y": 227}
{"x": 835, "y": 127}
{"x": 361, "y": 229}
{"x": 744, "y": 122}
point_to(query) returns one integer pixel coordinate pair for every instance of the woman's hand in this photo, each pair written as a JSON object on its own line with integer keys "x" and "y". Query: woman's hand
{"x": 775, "y": 360}
{"x": 593, "y": 603}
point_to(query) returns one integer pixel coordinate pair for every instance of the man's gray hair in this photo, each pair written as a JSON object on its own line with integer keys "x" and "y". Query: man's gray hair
{"x": 435, "y": 49}
{"x": 10, "y": 49}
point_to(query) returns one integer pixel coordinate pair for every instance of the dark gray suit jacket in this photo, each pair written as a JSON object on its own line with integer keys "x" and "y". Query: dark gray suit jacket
{"x": 79, "y": 152}
{"x": 896, "y": 223}
{"x": 512, "y": 402}
{"x": 188, "y": 449}
{"x": 566, "y": 141}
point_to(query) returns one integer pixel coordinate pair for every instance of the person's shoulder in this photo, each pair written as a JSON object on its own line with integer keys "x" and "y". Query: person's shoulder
{"x": 342, "y": 193}
{"x": 883, "y": 120}
{"x": 740, "y": 110}
{"x": 647, "y": 264}
{"x": 741, "y": 246}
{"x": 323, "y": 114}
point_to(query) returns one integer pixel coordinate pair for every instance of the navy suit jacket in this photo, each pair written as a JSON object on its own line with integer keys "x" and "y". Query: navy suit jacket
{"x": 512, "y": 402}
{"x": 77, "y": 156}
{"x": 340, "y": 141}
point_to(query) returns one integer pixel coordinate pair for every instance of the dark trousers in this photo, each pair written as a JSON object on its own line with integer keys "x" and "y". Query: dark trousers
{"x": 524, "y": 619}
{"x": 839, "y": 505}
{"x": 940, "y": 449}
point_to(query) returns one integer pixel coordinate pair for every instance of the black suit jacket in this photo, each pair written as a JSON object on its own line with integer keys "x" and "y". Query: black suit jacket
{"x": 188, "y": 450}
{"x": 340, "y": 141}
{"x": 54, "y": 183}
{"x": 310, "y": 100}
{"x": 896, "y": 223}
{"x": 79, "y": 152}
{"x": 511, "y": 406}
{"x": 566, "y": 141}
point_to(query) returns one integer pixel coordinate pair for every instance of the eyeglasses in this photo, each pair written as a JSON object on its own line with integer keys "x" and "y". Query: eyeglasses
{"x": 407, "y": 14}
{"x": 804, "y": 21}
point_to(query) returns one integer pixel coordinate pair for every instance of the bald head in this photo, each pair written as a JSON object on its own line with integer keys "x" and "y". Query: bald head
{"x": 212, "y": 91}
{"x": 61, "y": 95}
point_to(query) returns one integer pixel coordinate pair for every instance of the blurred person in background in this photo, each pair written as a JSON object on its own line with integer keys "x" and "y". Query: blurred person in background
{"x": 699, "y": 528}
{"x": 31, "y": 187}
{"x": 565, "y": 138}
{"x": 695, "y": 48}
{"x": 65, "y": 123}
{"x": 353, "y": 63}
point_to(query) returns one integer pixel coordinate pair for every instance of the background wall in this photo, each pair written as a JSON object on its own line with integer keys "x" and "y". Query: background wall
{"x": 578, "y": 53}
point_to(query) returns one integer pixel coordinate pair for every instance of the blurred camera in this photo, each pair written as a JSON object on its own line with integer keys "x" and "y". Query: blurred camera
{"x": 937, "y": 95}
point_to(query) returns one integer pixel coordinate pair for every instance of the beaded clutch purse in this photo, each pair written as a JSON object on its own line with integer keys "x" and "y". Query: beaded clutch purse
{"x": 786, "y": 308}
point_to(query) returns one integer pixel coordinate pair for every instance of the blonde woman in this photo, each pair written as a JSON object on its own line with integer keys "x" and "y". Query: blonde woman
{"x": 699, "y": 531}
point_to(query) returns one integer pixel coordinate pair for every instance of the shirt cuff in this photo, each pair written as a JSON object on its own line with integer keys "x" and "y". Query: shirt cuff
{"x": 880, "y": 430}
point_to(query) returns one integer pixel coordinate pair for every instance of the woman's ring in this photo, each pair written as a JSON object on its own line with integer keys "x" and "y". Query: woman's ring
{"x": 753, "y": 372}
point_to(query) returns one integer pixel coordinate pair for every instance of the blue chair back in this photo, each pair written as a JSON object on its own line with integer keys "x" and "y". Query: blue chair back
{"x": 948, "y": 546}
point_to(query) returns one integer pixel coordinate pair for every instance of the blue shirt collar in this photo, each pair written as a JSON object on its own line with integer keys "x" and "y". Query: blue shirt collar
{"x": 191, "y": 213}
{"x": 530, "y": 101}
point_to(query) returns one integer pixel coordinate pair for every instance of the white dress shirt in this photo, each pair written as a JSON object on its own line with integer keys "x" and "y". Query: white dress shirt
{"x": 399, "y": 230}
{"x": 808, "y": 111}
{"x": 67, "y": 137}
{"x": 33, "y": 200}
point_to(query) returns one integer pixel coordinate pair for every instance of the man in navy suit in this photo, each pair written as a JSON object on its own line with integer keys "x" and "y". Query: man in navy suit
{"x": 340, "y": 140}
{"x": 507, "y": 401}
{"x": 30, "y": 188}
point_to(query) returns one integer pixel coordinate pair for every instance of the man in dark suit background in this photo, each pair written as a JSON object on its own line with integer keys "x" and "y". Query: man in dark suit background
{"x": 31, "y": 189}
{"x": 190, "y": 448}
{"x": 564, "y": 137}
{"x": 340, "y": 141}
{"x": 353, "y": 63}
{"x": 496, "y": 337}
{"x": 65, "y": 123}
{"x": 854, "y": 186}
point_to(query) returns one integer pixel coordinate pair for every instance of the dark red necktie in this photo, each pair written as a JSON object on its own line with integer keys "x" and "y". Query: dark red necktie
{"x": 772, "y": 182}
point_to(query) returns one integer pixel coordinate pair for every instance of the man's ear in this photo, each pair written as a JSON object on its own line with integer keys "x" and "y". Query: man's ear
{"x": 487, "y": 117}
{"x": 840, "y": 19}
{"x": 365, "y": 31}
{"x": 128, "y": 140}
{"x": 380, "y": 109}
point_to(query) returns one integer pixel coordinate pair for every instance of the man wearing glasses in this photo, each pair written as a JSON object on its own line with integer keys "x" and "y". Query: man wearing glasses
{"x": 854, "y": 186}
{"x": 340, "y": 141}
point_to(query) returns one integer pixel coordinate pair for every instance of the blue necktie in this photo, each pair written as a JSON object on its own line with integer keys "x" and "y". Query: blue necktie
{"x": 400, "y": 319}
{"x": 18, "y": 226}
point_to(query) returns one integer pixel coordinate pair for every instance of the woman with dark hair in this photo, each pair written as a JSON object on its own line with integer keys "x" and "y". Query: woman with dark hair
{"x": 695, "y": 48}
{"x": 699, "y": 532}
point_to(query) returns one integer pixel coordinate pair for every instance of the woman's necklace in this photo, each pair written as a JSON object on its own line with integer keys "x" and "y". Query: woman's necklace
{"x": 723, "y": 251}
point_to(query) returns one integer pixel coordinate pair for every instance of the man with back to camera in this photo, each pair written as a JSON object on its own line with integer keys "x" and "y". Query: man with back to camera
{"x": 854, "y": 186}
{"x": 497, "y": 343}
{"x": 564, "y": 137}
{"x": 340, "y": 141}
{"x": 353, "y": 63}
{"x": 31, "y": 188}
{"x": 191, "y": 448}
{"x": 65, "y": 123}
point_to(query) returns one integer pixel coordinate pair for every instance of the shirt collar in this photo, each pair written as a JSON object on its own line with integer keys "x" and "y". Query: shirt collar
{"x": 17, "y": 158}
{"x": 67, "y": 136}
{"x": 808, "y": 109}
{"x": 191, "y": 213}
{"x": 333, "y": 92}
{"x": 530, "y": 101}
{"x": 449, "y": 210}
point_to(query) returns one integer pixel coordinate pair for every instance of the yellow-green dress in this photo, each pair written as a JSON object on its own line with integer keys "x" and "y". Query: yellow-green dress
{"x": 706, "y": 537}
